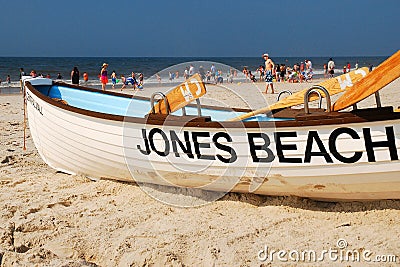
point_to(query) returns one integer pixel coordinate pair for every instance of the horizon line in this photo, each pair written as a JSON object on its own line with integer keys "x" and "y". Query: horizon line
{"x": 190, "y": 56}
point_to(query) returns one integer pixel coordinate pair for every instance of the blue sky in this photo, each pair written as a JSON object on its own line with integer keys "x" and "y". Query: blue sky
{"x": 199, "y": 28}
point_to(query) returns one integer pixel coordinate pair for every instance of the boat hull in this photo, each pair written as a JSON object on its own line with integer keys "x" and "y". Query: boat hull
{"x": 351, "y": 161}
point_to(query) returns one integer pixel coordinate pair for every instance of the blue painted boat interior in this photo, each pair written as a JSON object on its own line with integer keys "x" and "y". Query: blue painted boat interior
{"x": 117, "y": 105}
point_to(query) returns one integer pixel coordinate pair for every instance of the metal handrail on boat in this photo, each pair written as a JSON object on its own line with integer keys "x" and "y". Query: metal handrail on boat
{"x": 378, "y": 99}
{"x": 163, "y": 97}
{"x": 198, "y": 105}
{"x": 312, "y": 90}
{"x": 283, "y": 92}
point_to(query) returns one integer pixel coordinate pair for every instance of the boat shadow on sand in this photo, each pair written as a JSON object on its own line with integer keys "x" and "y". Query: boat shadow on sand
{"x": 187, "y": 197}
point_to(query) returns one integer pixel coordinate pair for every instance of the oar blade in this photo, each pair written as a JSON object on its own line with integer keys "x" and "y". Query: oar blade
{"x": 381, "y": 76}
{"x": 182, "y": 95}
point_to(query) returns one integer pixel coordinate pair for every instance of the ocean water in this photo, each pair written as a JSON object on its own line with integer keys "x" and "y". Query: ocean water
{"x": 149, "y": 66}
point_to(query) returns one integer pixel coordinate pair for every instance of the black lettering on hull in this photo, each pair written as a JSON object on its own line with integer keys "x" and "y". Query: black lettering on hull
{"x": 259, "y": 146}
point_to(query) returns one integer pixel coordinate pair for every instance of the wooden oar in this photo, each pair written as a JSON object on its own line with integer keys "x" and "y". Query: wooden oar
{"x": 381, "y": 76}
{"x": 334, "y": 86}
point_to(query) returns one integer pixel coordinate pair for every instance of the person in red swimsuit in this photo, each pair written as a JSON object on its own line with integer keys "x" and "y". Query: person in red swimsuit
{"x": 103, "y": 76}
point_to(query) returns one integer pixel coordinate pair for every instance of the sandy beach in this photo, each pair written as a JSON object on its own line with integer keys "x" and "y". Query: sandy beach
{"x": 54, "y": 219}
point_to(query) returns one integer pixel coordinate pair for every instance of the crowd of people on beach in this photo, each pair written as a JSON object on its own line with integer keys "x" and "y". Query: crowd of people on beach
{"x": 300, "y": 72}
{"x": 269, "y": 72}
{"x": 136, "y": 83}
{"x": 213, "y": 75}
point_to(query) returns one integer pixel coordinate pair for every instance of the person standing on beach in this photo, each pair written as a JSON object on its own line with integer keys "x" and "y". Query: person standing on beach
{"x": 21, "y": 73}
{"x": 103, "y": 76}
{"x": 277, "y": 72}
{"x": 141, "y": 81}
{"x": 308, "y": 65}
{"x": 269, "y": 66}
{"x": 331, "y": 68}
{"x": 325, "y": 70}
{"x": 75, "y": 75}
{"x": 191, "y": 70}
{"x": 260, "y": 71}
{"x": 283, "y": 72}
{"x": 302, "y": 67}
{"x": 113, "y": 79}
{"x": 213, "y": 72}
{"x": 8, "y": 80}
{"x": 186, "y": 73}
{"x": 245, "y": 71}
{"x": 202, "y": 73}
{"x": 159, "y": 77}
